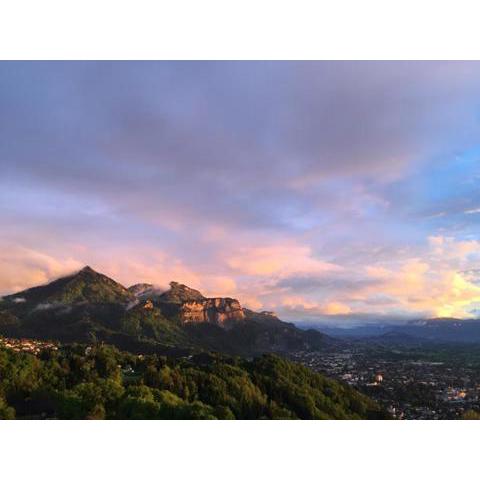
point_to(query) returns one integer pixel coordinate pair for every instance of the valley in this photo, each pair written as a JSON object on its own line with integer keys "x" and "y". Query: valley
{"x": 421, "y": 370}
{"x": 429, "y": 382}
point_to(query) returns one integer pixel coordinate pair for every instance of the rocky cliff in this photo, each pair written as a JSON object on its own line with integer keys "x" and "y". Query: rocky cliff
{"x": 223, "y": 312}
{"x": 192, "y": 307}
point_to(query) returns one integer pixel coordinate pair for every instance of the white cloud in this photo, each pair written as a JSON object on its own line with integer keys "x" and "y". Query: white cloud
{"x": 472, "y": 211}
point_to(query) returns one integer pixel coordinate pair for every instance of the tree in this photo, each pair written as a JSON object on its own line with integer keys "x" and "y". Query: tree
{"x": 471, "y": 415}
{"x": 6, "y": 412}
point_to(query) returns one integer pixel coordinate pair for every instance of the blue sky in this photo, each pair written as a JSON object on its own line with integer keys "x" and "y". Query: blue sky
{"x": 326, "y": 191}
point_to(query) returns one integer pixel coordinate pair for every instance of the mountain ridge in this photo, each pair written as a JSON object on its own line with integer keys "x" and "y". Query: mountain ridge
{"x": 88, "y": 306}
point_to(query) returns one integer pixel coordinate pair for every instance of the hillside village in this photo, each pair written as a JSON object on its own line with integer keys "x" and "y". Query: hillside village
{"x": 27, "y": 345}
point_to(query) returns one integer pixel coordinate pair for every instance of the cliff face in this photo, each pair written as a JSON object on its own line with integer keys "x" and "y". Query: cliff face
{"x": 223, "y": 312}
{"x": 192, "y": 307}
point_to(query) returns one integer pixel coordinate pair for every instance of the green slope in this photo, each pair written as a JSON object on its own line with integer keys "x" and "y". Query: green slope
{"x": 80, "y": 383}
{"x": 87, "y": 285}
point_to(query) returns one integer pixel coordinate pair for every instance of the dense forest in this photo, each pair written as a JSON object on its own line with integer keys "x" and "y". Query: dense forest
{"x": 101, "y": 382}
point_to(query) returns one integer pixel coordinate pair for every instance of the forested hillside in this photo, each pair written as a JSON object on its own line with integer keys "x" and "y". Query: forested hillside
{"x": 100, "y": 382}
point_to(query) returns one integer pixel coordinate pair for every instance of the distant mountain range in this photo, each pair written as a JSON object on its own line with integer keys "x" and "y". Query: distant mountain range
{"x": 438, "y": 330}
{"x": 91, "y": 307}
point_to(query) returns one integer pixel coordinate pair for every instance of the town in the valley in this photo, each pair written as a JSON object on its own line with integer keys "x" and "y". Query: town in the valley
{"x": 433, "y": 382}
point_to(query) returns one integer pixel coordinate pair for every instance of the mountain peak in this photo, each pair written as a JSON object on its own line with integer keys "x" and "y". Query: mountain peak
{"x": 87, "y": 269}
{"x": 86, "y": 285}
{"x": 180, "y": 293}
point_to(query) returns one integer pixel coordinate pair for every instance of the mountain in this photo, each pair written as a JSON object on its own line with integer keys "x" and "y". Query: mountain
{"x": 436, "y": 330}
{"x": 179, "y": 294}
{"x": 190, "y": 306}
{"x": 444, "y": 330}
{"x": 84, "y": 286}
{"x": 90, "y": 307}
{"x": 225, "y": 312}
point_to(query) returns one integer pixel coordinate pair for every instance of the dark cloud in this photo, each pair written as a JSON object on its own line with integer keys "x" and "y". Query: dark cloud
{"x": 230, "y": 140}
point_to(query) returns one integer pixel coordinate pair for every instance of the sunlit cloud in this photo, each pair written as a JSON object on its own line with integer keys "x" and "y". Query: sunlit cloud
{"x": 278, "y": 260}
{"x": 22, "y": 268}
{"x": 288, "y": 185}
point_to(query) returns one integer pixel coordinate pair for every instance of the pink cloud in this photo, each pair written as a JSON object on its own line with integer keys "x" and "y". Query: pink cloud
{"x": 22, "y": 268}
{"x": 278, "y": 260}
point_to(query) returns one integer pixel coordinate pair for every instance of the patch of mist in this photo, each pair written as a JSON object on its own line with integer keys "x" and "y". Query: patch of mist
{"x": 132, "y": 304}
{"x": 47, "y": 306}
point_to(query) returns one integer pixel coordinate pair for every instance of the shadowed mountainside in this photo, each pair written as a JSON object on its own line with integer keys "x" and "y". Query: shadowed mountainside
{"x": 90, "y": 307}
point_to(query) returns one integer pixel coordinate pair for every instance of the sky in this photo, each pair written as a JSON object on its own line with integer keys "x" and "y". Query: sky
{"x": 329, "y": 192}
